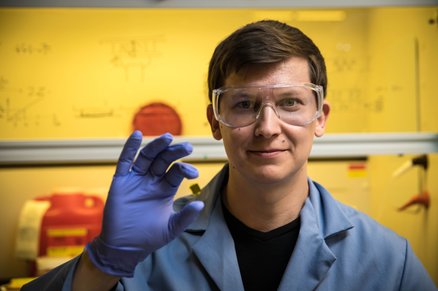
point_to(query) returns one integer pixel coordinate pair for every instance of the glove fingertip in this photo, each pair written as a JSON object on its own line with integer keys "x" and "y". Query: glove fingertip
{"x": 196, "y": 206}
{"x": 137, "y": 134}
{"x": 191, "y": 211}
{"x": 167, "y": 136}
{"x": 188, "y": 147}
{"x": 186, "y": 216}
{"x": 190, "y": 171}
{"x": 128, "y": 153}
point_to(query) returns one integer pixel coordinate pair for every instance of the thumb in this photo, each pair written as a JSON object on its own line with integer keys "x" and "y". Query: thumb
{"x": 179, "y": 221}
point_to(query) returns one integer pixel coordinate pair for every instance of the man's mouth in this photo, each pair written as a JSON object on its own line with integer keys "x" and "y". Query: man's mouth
{"x": 267, "y": 152}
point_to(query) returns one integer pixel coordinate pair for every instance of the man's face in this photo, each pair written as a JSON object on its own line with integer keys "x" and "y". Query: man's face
{"x": 269, "y": 151}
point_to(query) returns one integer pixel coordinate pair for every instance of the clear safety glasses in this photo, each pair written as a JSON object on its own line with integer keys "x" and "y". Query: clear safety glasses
{"x": 294, "y": 104}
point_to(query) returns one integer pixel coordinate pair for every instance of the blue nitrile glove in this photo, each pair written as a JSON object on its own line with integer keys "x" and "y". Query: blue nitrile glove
{"x": 139, "y": 217}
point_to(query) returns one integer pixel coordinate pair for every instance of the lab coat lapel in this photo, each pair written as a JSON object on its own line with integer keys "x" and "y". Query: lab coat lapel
{"x": 215, "y": 251}
{"x": 312, "y": 257}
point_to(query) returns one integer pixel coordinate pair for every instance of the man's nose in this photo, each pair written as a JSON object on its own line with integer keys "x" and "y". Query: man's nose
{"x": 268, "y": 121}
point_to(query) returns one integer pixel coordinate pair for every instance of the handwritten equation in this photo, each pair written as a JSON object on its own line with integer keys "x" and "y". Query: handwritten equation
{"x": 355, "y": 100}
{"x": 26, "y": 48}
{"x": 17, "y": 105}
{"x": 133, "y": 55}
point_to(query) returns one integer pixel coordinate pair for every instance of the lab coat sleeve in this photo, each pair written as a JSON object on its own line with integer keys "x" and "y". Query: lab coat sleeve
{"x": 60, "y": 278}
{"x": 415, "y": 276}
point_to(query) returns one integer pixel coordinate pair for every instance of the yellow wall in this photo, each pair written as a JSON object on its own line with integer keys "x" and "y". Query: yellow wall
{"x": 73, "y": 73}
{"x": 403, "y": 56}
{"x": 78, "y": 73}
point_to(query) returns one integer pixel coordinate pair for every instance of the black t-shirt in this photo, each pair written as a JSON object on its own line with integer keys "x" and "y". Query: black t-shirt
{"x": 262, "y": 256}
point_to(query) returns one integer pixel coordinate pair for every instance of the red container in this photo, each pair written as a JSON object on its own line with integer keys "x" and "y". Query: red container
{"x": 71, "y": 221}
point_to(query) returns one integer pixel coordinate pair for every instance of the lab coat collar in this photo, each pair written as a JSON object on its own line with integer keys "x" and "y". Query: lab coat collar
{"x": 209, "y": 195}
{"x": 321, "y": 218}
{"x": 330, "y": 217}
{"x": 216, "y": 251}
{"x": 215, "y": 248}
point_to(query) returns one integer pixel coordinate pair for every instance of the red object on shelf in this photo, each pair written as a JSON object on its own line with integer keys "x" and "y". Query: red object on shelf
{"x": 157, "y": 118}
{"x": 71, "y": 221}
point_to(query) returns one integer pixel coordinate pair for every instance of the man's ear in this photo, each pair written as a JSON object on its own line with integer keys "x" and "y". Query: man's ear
{"x": 322, "y": 120}
{"x": 214, "y": 124}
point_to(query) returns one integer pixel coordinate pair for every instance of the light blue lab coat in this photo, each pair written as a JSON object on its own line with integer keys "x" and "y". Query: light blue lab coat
{"x": 338, "y": 248}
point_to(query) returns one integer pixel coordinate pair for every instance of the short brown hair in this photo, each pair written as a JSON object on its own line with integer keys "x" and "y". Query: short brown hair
{"x": 264, "y": 42}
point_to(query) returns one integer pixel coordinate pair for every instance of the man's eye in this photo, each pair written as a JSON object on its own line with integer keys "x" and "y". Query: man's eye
{"x": 245, "y": 104}
{"x": 288, "y": 102}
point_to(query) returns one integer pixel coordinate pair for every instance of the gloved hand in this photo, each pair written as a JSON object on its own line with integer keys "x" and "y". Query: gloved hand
{"x": 138, "y": 216}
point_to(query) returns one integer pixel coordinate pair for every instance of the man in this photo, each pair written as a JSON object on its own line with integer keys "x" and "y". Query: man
{"x": 261, "y": 223}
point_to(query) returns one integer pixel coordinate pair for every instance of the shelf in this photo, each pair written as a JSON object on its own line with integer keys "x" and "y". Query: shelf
{"x": 106, "y": 151}
{"x": 214, "y": 3}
